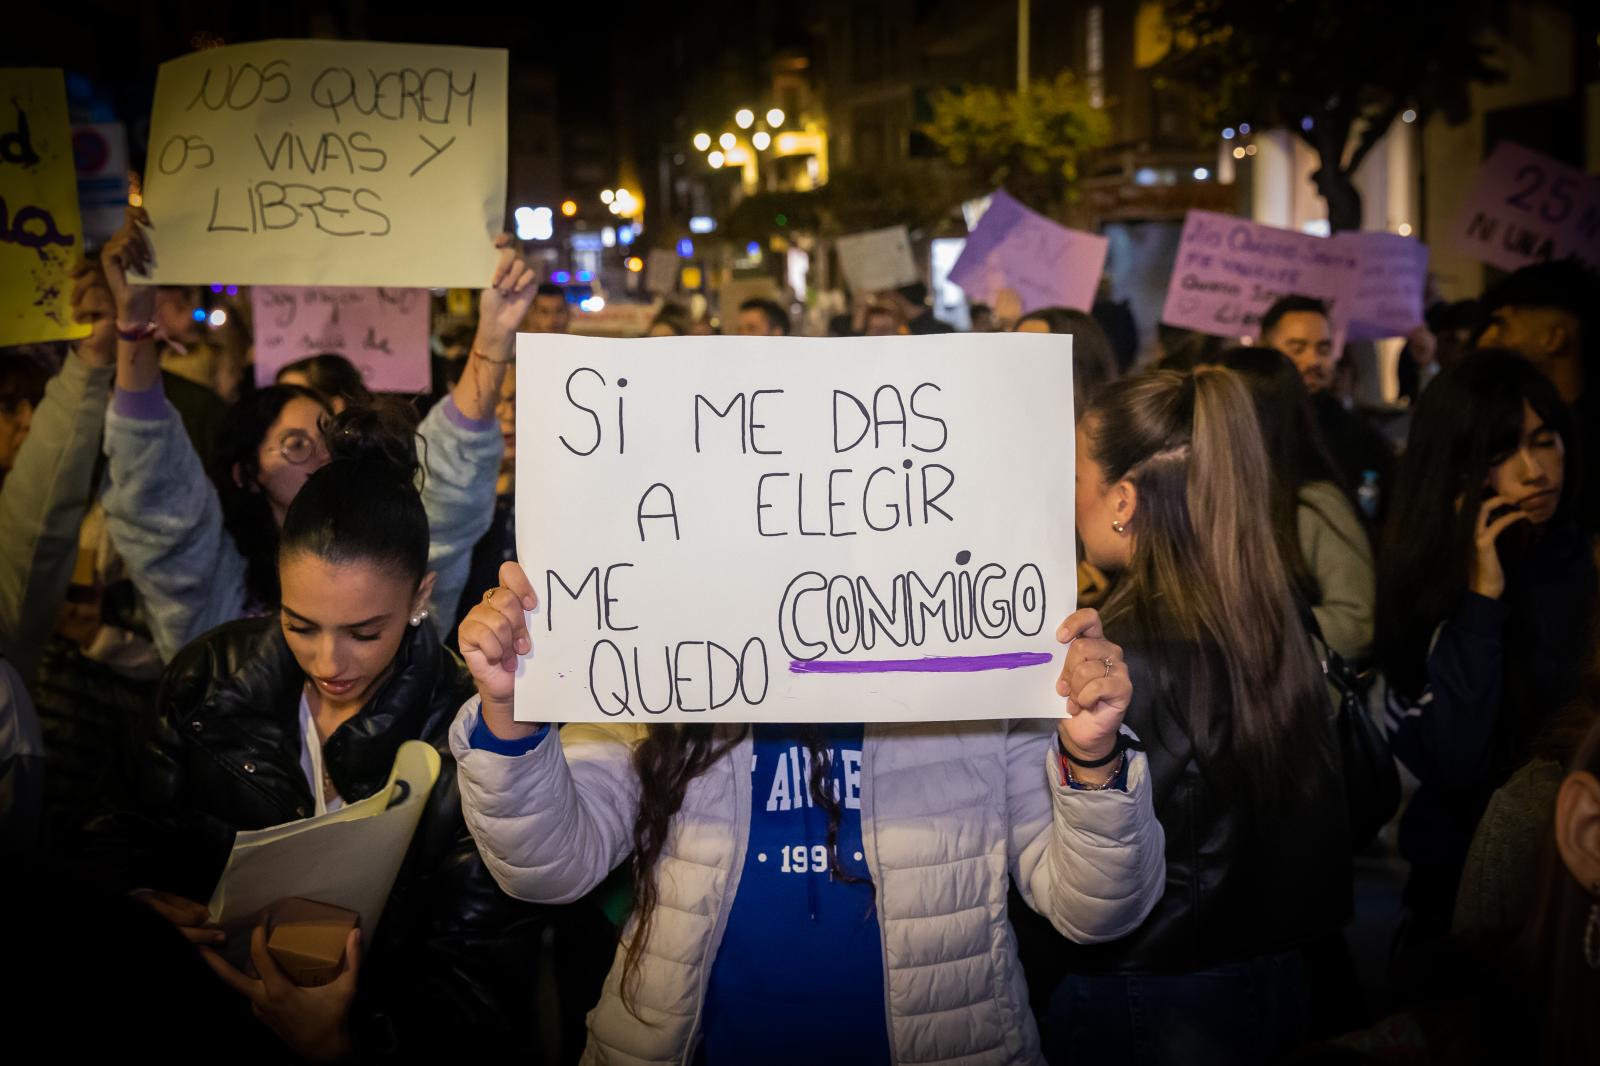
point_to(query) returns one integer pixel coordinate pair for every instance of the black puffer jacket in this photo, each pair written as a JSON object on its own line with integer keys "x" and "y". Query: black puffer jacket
{"x": 454, "y": 963}
{"x": 1240, "y": 883}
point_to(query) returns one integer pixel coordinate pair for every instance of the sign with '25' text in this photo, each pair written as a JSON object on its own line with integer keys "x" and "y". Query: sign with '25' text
{"x": 1529, "y": 208}
{"x": 748, "y": 529}
{"x": 328, "y": 163}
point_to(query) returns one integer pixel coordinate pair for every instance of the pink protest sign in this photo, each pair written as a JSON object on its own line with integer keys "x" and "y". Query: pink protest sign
{"x": 384, "y": 332}
{"x": 1385, "y": 292}
{"x": 1230, "y": 270}
{"x": 1044, "y": 263}
{"x": 1528, "y": 208}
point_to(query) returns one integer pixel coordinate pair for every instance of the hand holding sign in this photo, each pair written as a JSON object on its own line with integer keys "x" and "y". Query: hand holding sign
{"x": 128, "y": 252}
{"x": 1094, "y": 679}
{"x": 493, "y": 636}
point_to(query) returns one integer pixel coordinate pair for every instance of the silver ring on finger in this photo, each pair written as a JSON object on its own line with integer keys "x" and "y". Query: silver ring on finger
{"x": 1110, "y": 664}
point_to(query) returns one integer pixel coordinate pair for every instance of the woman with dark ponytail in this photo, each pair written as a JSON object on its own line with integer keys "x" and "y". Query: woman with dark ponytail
{"x": 204, "y": 551}
{"x": 1173, "y": 497}
{"x": 815, "y": 893}
{"x": 267, "y": 720}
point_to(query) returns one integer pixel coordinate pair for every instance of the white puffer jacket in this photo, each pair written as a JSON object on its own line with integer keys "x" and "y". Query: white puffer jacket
{"x": 946, "y": 810}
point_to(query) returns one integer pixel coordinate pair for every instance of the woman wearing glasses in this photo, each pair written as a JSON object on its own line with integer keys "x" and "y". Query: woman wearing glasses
{"x": 202, "y": 550}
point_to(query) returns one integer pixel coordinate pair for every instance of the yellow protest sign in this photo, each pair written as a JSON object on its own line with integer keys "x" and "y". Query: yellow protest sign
{"x": 40, "y": 233}
{"x": 345, "y": 163}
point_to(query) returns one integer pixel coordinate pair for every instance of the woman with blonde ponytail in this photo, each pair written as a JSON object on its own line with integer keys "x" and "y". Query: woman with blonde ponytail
{"x": 1173, "y": 498}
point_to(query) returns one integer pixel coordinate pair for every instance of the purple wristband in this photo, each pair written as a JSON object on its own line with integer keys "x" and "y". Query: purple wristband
{"x": 150, "y": 404}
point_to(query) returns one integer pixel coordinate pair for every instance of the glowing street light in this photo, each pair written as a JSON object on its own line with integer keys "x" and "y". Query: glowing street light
{"x": 727, "y": 140}
{"x": 702, "y": 141}
{"x": 775, "y": 117}
{"x": 745, "y": 118}
{"x": 761, "y": 140}
{"x": 716, "y": 159}
{"x": 635, "y": 264}
{"x": 606, "y": 196}
{"x": 569, "y": 208}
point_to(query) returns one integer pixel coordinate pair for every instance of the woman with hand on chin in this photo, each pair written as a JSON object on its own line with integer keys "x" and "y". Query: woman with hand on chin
{"x": 202, "y": 550}
{"x": 815, "y": 893}
{"x": 1486, "y": 605}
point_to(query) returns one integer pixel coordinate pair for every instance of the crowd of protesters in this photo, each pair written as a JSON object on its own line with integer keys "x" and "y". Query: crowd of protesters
{"x": 225, "y": 607}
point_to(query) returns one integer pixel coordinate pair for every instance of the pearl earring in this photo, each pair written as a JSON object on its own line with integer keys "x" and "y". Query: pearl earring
{"x": 416, "y": 619}
{"x": 1118, "y": 526}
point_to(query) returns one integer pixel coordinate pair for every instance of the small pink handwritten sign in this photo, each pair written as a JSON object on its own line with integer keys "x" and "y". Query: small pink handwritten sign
{"x": 384, "y": 332}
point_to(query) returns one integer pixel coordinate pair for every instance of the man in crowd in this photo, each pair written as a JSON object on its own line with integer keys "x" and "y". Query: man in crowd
{"x": 762, "y": 318}
{"x": 1298, "y": 326}
{"x": 549, "y": 313}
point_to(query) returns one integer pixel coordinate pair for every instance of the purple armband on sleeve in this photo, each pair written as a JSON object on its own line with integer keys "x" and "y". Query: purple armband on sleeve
{"x": 149, "y": 404}
{"x": 471, "y": 425}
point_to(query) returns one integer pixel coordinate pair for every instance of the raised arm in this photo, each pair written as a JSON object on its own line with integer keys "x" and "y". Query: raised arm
{"x": 552, "y": 814}
{"x": 462, "y": 441}
{"x": 161, "y": 509}
{"x": 47, "y": 493}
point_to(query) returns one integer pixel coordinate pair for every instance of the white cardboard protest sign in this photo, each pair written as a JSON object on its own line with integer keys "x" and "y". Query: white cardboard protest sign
{"x": 384, "y": 332}
{"x": 794, "y": 529}
{"x": 1529, "y": 208}
{"x": 328, "y": 163}
{"x": 878, "y": 259}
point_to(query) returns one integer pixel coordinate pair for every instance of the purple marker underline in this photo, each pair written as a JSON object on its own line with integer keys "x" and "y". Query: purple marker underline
{"x": 930, "y": 664}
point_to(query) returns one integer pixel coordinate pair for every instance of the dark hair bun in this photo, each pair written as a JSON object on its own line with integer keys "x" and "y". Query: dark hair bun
{"x": 380, "y": 436}
{"x": 365, "y": 503}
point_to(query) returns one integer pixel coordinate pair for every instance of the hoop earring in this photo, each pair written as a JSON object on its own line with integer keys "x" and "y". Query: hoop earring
{"x": 1118, "y": 526}
{"x": 1591, "y": 934}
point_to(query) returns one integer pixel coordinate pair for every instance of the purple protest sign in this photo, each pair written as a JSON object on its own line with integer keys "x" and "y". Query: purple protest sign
{"x": 1044, "y": 263}
{"x": 1230, "y": 270}
{"x": 1528, "y": 208}
{"x": 1384, "y": 294}
{"x": 384, "y": 332}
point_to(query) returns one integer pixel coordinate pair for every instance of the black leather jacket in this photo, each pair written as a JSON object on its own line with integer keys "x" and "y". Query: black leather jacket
{"x": 453, "y": 966}
{"x": 1239, "y": 883}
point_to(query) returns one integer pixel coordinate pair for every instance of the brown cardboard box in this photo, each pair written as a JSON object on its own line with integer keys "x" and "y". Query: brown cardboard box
{"x": 307, "y": 938}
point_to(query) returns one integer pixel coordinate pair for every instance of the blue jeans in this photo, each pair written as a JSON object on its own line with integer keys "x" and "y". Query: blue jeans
{"x": 1235, "y": 1014}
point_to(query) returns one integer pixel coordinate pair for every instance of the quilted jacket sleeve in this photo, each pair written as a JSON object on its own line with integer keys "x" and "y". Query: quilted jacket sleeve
{"x": 166, "y": 521}
{"x": 461, "y": 458}
{"x": 1093, "y": 862}
{"x": 42, "y": 506}
{"x": 553, "y": 822}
